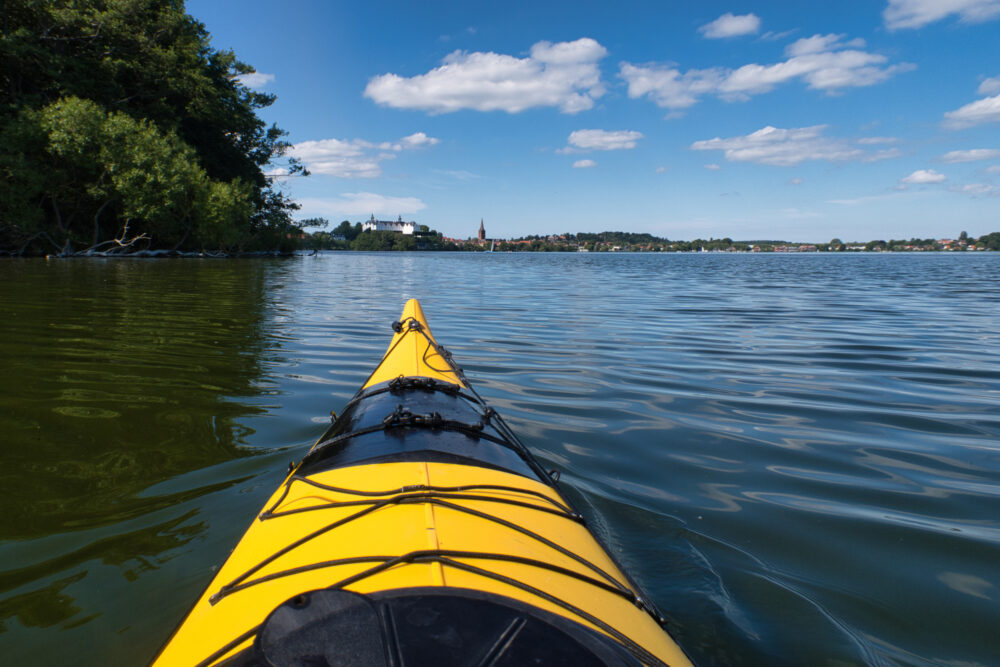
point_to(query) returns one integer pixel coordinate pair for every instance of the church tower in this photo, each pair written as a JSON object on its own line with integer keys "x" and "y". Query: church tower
{"x": 482, "y": 230}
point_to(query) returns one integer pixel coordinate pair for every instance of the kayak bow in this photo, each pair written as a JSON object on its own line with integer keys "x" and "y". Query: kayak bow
{"x": 420, "y": 530}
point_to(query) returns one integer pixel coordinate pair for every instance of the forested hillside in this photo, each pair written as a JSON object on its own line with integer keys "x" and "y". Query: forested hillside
{"x": 122, "y": 129}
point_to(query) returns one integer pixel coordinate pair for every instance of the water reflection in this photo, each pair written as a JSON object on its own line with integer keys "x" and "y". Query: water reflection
{"x": 117, "y": 376}
{"x": 147, "y": 386}
{"x": 797, "y": 456}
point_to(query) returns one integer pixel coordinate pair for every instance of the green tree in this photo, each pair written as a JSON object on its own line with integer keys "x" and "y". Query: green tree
{"x": 113, "y": 182}
{"x": 990, "y": 241}
{"x": 372, "y": 240}
{"x": 150, "y": 69}
{"x": 312, "y": 222}
{"x": 347, "y": 230}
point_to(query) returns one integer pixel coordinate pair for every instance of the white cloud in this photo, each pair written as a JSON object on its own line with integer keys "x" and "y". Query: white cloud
{"x": 878, "y": 156}
{"x": 976, "y": 189}
{"x": 771, "y": 36}
{"x": 667, "y": 87}
{"x": 713, "y": 167}
{"x": 782, "y": 147}
{"x": 255, "y": 79}
{"x": 418, "y": 140}
{"x": 360, "y": 203}
{"x": 989, "y": 86}
{"x": 795, "y": 181}
{"x": 971, "y": 155}
{"x": 354, "y": 158}
{"x": 871, "y": 141}
{"x": 821, "y": 44}
{"x": 729, "y": 25}
{"x": 986, "y": 110}
{"x": 564, "y": 75}
{"x": 584, "y": 164}
{"x": 918, "y": 13}
{"x": 924, "y": 177}
{"x": 661, "y": 170}
{"x": 823, "y": 62}
{"x": 995, "y": 169}
{"x": 345, "y": 159}
{"x": 601, "y": 140}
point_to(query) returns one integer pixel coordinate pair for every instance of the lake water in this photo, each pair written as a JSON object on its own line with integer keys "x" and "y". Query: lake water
{"x": 798, "y": 456}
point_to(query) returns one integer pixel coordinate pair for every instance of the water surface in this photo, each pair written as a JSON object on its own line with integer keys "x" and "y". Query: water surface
{"x": 797, "y": 455}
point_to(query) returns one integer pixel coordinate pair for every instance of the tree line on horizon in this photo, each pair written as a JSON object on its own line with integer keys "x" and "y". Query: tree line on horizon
{"x": 347, "y": 236}
{"x": 122, "y": 129}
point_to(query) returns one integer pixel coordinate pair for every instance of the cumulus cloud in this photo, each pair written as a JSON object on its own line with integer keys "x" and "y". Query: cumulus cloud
{"x": 667, "y": 86}
{"x": 564, "y": 75}
{"x": 986, "y": 110}
{"x": 712, "y": 167}
{"x": 900, "y": 14}
{"x": 418, "y": 140}
{"x": 971, "y": 155}
{"x": 346, "y": 159}
{"x": 360, "y": 203}
{"x": 354, "y": 158}
{"x": 822, "y": 62}
{"x": 989, "y": 86}
{"x": 255, "y": 79}
{"x": 601, "y": 140}
{"x": 729, "y": 25}
{"x": 923, "y": 177}
{"x": 584, "y": 164}
{"x": 783, "y": 147}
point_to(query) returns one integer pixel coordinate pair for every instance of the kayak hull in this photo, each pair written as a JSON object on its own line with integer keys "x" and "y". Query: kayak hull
{"x": 418, "y": 528}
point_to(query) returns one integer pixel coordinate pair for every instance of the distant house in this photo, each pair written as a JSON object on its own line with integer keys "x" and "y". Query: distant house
{"x": 373, "y": 225}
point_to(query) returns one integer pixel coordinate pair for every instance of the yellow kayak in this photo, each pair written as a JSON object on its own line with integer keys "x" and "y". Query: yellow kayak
{"x": 419, "y": 530}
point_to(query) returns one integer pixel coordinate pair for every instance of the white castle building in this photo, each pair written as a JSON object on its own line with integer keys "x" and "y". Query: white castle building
{"x": 374, "y": 225}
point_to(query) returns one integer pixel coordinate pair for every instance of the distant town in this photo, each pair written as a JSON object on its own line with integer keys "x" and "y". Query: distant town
{"x": 374, "y": 234}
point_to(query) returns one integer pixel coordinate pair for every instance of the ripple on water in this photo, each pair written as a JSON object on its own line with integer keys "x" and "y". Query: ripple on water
{"x": 797, "y": 456}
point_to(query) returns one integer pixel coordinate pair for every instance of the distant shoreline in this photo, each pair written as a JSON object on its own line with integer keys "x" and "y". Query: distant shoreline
{"x": 355, "y": 237}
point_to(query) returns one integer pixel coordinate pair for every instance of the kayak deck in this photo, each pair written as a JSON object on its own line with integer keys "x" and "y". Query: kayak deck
{"x": 401, "y": 515}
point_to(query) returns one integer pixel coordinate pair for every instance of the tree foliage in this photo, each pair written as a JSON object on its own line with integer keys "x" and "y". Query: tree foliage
{"x": 347, "y": 230}
{"x": 118, "y": 121}
{"x": 990, "y": 241}
{"x": 383, "y": 241}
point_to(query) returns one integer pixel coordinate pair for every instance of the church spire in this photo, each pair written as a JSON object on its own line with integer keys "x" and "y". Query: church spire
{"x": 482, "y": 230}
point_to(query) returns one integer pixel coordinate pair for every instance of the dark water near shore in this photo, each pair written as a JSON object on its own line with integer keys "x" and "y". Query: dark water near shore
{"x": 797, "y": 456}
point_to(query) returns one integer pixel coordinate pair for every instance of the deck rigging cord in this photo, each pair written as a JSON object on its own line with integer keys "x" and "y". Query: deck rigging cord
{"x": 447, "y": 497}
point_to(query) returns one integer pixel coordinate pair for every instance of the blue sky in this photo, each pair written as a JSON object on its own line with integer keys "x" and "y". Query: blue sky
{"x": 769, "y": 120}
